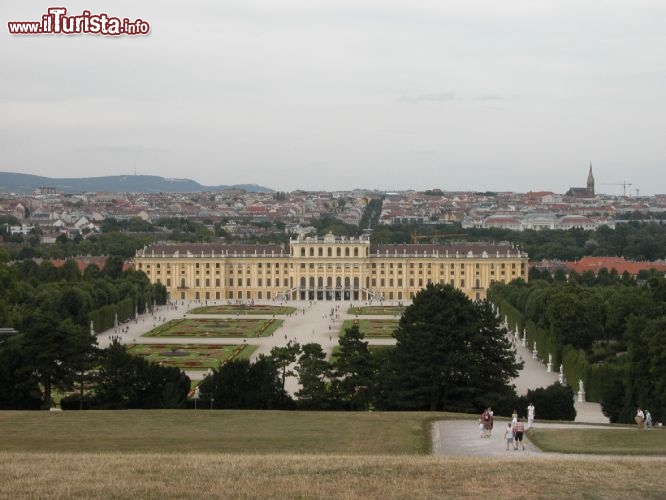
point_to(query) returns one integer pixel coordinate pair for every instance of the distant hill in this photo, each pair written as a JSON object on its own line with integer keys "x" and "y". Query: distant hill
{"x": 24, "y": 183}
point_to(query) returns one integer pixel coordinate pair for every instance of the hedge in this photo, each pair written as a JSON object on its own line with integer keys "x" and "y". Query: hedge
{"x": 576, "y": 367}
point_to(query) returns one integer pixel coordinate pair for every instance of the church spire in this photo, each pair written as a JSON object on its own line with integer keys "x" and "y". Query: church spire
{"x": 590, "y": 182}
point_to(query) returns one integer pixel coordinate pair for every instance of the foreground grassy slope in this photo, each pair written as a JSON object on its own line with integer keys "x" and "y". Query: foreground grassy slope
{"x": 271, "y": 454}
{"x": 178, "y": 431}
{"x": 120, "y": 475}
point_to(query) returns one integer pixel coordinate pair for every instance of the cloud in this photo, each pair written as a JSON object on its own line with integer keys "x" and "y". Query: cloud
{"x": 425, "y": 98}
{"x": 120, "y": 149}
{"x": 491, "y": 97}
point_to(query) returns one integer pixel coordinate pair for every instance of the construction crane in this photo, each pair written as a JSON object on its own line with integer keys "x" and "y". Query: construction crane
{"x": 624, "y": 185}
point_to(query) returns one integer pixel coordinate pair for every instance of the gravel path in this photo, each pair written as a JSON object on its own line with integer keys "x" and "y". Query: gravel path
{"x": 462, "y": 438}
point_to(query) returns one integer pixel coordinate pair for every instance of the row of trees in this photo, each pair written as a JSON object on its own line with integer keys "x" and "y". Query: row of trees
{"x": 51, "y": 308}
{"x": 609, "y": 335}
{"x": 634, "y": 240}
{"x": 66, "y": 357}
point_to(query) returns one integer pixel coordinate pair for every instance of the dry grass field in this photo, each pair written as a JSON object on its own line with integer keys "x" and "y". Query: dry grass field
{"x": 296, "y": 476}
{"x": 236, "y": 454}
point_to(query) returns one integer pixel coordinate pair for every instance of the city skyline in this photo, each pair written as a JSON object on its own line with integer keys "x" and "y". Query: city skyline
{"x": 516, "y": 96}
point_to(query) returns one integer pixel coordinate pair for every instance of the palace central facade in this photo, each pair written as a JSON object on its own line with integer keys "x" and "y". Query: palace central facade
{"x": 328, "y": 268}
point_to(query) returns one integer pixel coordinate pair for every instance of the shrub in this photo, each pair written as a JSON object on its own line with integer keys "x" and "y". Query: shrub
{"x": 555, "y": 402}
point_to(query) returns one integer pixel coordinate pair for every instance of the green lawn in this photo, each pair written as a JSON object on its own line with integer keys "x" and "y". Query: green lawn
{"x": 191, "y": 356}
{"x": 243, "y": 309}
{"x": 216, "y": 328}
{"x": 377, "y": 310}
{"x": 220, "y": 431}
{"x": 372, "y": 328}
{"x": 621, "y": 441}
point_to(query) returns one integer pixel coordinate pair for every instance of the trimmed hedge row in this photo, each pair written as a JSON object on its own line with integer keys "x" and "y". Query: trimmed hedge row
{"x": 104, "y": 317}
{"x": 576, "y": 366}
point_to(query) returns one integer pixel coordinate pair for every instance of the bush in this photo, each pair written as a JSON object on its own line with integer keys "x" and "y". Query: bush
{"x": 555, "y": 402}
{"x": 612, "y": 400}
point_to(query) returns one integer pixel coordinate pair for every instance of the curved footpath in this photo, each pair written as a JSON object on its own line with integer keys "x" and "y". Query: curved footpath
{"x": 462, "y": 438}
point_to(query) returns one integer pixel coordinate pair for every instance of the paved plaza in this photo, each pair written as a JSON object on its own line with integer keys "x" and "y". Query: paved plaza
{"x": 319, "y": 322}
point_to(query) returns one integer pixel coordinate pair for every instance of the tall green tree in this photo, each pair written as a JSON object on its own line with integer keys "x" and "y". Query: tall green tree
{"x": 569, "y": 319}
{"x": 58, "y": 350}
{"x": 354, "y": 371}
{"x": 451, "y": 353}
{"x": 313, "y": 374}
{"x": 240, "y": 384}
{"x": 19, "y": 385}
{"x": 284, "y": 357}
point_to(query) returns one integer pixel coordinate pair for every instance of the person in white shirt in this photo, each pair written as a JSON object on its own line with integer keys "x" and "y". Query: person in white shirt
{"x": 530, "y": 415}
{"x": 640, "y": 417}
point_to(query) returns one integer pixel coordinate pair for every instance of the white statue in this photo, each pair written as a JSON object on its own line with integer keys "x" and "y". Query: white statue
{"x": 581, "y": 392}
{"x": 550, "y": 358}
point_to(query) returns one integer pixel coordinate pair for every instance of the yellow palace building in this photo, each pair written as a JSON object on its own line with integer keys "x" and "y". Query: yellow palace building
{"x": 328, "y": 268}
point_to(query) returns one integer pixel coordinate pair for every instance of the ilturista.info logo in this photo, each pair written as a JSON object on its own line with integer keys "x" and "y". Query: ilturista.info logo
{"x": 57, "y": 22}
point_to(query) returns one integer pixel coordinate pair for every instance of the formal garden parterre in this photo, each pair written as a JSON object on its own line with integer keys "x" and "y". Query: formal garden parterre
{"x": 254, "y": 309}
{"x": 191, "y": 356}
{"x": 373, "y": 328}
{"x": 216, "y": 328}
{"x": 377, "y": 310}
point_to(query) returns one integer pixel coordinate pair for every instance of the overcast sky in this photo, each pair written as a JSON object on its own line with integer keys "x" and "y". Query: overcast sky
{"x": 310, "y": 94}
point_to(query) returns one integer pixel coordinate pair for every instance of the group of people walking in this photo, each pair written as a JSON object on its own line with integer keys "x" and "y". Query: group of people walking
{"x": 643, "y": 419}
{"x": 514, "y": 433}
{"x": 515, "y": 430}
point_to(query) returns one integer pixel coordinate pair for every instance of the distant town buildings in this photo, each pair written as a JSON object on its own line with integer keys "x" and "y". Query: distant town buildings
{"x": 238, "y": 211}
